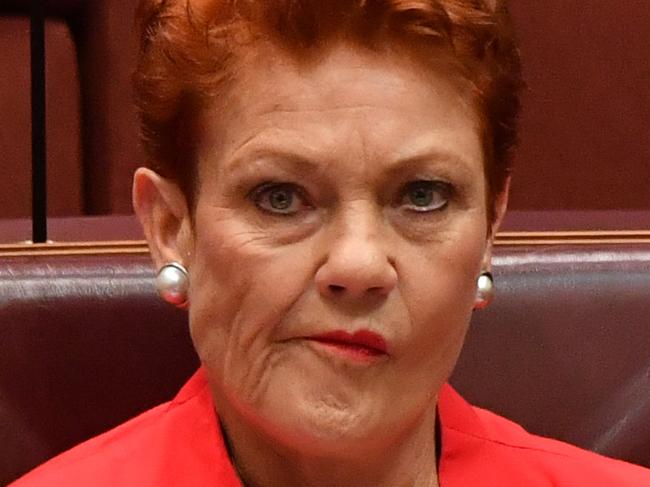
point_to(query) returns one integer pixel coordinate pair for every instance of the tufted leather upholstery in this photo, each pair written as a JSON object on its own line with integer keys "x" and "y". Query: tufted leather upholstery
{"x": 564, "y": 350}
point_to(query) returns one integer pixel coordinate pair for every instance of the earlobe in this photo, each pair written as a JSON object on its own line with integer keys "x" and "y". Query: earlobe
{"x": 162, "y": 210}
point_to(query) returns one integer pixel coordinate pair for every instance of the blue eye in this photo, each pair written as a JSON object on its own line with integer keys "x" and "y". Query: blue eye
{"x": 425, "y": 196}
{"x": 278, "y": 198}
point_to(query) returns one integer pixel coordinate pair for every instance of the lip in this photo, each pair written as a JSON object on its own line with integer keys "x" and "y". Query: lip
{"x": 363, "y": 344}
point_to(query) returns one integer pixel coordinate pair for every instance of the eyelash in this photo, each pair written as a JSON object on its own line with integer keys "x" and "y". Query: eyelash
{"x": 446, "y": 189}
{"x": 442, "y": 188}
{"x": 260, "y": 191}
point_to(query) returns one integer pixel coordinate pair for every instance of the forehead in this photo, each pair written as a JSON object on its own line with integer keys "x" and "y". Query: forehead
{"x": 347, "y": 99}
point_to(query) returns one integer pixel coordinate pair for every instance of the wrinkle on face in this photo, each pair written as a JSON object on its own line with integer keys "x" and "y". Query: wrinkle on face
{"x": 351, "y": 132}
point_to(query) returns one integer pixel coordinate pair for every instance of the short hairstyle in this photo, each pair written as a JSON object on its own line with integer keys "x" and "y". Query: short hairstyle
{"x": 189, "y": 51}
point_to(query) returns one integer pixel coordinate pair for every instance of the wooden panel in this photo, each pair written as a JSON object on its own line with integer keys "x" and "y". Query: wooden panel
{"x": 586, "y": 126}
{"x": 63, "y": 120}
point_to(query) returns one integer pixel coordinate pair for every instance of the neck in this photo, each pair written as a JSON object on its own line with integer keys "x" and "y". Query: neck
{"x": 407, "y": 461}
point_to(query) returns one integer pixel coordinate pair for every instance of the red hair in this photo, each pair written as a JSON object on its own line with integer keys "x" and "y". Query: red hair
{"x": 189, "y": 51}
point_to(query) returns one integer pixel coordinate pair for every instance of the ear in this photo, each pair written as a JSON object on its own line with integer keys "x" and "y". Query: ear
{"x": 500, "y": 206}
{"x": 165, "y": 218}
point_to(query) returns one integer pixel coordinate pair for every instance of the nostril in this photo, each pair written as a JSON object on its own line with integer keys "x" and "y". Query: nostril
{"x": 338, "y": 289}
{"x": 335, "y": 288}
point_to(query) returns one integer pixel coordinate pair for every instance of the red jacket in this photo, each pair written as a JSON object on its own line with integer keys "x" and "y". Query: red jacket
{"x": 179, "y": 444}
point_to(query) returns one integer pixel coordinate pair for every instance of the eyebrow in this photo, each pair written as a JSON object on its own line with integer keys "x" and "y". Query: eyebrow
{"x": 441, "y": 159}
{"x": 295, "y": 163}
{"x": 284, "y": 159}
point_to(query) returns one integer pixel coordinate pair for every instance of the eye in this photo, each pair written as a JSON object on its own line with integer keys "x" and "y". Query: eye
{"x": 426, "y": 196}
{"x": 278, "y": 198}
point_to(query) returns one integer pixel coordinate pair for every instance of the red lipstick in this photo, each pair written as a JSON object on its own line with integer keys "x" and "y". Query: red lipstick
{"x": 362, "y": 344}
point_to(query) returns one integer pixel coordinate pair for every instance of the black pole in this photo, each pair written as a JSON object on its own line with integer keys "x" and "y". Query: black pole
{"x": 39, "y": 167}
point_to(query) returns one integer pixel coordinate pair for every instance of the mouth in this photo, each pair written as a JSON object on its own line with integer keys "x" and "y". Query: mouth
{"x": 363, "y": 345}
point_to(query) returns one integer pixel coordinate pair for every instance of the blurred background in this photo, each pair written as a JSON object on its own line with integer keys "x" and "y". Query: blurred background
{"x": 583, "y": 163}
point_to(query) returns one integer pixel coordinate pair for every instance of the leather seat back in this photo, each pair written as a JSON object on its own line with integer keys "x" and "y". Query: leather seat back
{"x": 564, "y": 350}
{"x": 87, "y": 344}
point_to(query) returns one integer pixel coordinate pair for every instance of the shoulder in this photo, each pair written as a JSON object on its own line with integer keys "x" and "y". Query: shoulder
{"x": 504, "y": 450}
{"x": 176, "y": 443}
{"x": 559, "y": 461}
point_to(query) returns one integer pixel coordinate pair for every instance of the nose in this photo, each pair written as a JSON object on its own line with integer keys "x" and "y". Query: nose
{"x": 358, "y": 263}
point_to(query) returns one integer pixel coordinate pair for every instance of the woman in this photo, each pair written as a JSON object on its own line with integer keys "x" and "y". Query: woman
{"x": 325, "y": 185}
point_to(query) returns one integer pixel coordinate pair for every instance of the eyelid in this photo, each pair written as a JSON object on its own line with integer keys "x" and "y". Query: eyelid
{"x": 447, "y": 189}
{"x": 278, "y": 185}
{"x": 258, "y": 191}
{"x": 434, "y": 181}
{"x": 260, "y": 188}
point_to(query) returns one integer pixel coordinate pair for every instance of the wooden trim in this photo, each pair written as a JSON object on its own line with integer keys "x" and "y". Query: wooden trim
{"x": 574, "y": 238}
{"x": 139, "y": 247}
{"x": 27, "y": 249}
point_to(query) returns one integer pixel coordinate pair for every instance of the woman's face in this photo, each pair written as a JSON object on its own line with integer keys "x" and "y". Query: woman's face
{"x": 339, "y": 229}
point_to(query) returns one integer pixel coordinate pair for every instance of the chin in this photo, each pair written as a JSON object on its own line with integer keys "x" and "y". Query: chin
{"x": 326, "y": 423}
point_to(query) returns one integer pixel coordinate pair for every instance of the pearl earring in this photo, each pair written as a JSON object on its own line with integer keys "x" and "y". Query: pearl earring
{"x": 172, "y": 283}
{"x": 484, "y": 290}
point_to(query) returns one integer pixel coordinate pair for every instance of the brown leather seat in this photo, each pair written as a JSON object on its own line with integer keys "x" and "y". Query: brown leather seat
{"x": 86, "y": 344}
{"x": 565, "y": 349}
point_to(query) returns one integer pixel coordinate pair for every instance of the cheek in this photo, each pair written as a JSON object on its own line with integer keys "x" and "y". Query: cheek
{"x": 241, "y": 289}
{"x": 439, "y": 290}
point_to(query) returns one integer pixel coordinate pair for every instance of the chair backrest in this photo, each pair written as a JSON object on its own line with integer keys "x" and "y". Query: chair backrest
{"x": 564, "y": 350}
{"x": 86, "y": 344}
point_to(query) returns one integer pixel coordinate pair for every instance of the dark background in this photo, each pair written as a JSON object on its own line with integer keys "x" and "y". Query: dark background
{"x": 585, "y": 133}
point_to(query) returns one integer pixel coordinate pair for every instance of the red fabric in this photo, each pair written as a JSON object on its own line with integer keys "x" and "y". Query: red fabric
{"x": 179, "y": 444}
